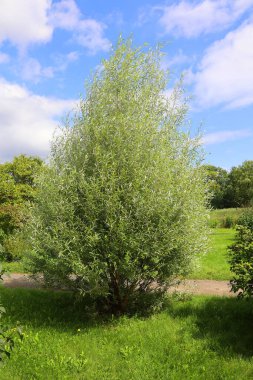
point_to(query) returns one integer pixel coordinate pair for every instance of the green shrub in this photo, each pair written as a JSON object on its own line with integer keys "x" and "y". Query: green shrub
{"x": 241, "y": 261}
{"x": 14, "y": 247}
{"x": 246, "y": 219}
{"x": 120, "y": 212}
{"x": 241, "y": 255}
{"x": 7, "y": 335}
{"x": 228, "y": 222}
{"x": 213, "y": 223}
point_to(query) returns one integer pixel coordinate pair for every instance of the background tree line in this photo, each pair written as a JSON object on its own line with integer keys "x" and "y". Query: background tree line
{"x": 232, "y": 188}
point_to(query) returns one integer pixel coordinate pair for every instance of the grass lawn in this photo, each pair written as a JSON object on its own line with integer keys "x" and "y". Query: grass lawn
{"x": 214, "y": 265}
{"x": 204, "y": 338}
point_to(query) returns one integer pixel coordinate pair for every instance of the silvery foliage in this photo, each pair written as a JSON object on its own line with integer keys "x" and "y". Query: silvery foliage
{"x": 122, "y": 206}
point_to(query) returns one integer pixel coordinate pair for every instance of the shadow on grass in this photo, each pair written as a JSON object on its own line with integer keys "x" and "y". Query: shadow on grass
{"x": 39, "y": 308}
{"x": 226, "y": 323}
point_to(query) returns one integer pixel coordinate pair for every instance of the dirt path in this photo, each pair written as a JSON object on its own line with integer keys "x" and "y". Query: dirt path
{"x": 208, "y": 287}
{"x": 19, "y": 280}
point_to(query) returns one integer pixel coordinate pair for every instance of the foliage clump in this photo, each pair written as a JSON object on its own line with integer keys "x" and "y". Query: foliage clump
{"x": 241, "y": 256}
{"x": 217, "y": 180}
{"x": 246, "y": 219}
{"x": 16, "y": 189}
{"x": 7, "y": 335}
{"x": 120, "y": 211}
{"x": 240, "y": 187}
{"x": 241, "y": 262}
{"x": 230, "y": 189}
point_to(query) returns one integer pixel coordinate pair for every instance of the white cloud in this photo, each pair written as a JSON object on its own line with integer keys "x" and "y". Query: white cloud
{"x": 90, "y": 36}
{"x": 32, "y": 70}
{"x": 72, "y": 56}
{"x": 25, "y": 22}
{"x": 225, "y": 74}
{"x": 65, "y": 14}
{"x": 27, "y": 121}
{"x": 62, "y": 61}
{"x": 87, "y": 32}
{"x": 190, "y": 19}
{"x": 223, "y": 136}
{"x": 116, "y": 17}
{"x": 4, "y": 58}
{"x": 176, "y": 60}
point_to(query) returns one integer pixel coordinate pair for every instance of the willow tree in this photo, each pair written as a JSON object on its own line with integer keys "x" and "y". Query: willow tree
{"x": 121, "y": 209}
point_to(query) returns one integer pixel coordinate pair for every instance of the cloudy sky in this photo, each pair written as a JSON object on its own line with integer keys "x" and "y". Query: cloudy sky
{"x": 49, "y": 47}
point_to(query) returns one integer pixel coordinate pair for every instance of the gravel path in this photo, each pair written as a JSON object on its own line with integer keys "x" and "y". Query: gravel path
{"x": 208, "y": 287}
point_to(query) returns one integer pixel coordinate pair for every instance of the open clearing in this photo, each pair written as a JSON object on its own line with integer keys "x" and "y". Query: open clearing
{"x": 214, "y": 265}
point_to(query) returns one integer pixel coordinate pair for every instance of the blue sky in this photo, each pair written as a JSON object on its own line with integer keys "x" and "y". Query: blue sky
{"x": 48, "y": 48}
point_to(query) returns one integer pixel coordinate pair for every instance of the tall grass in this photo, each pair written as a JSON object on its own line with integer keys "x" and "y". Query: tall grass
{"x": 225, "y": 218}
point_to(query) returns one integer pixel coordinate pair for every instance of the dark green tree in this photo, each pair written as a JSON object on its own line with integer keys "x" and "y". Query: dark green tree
{"x": 217, "y": 179}
{"x": 240, "y": 187}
